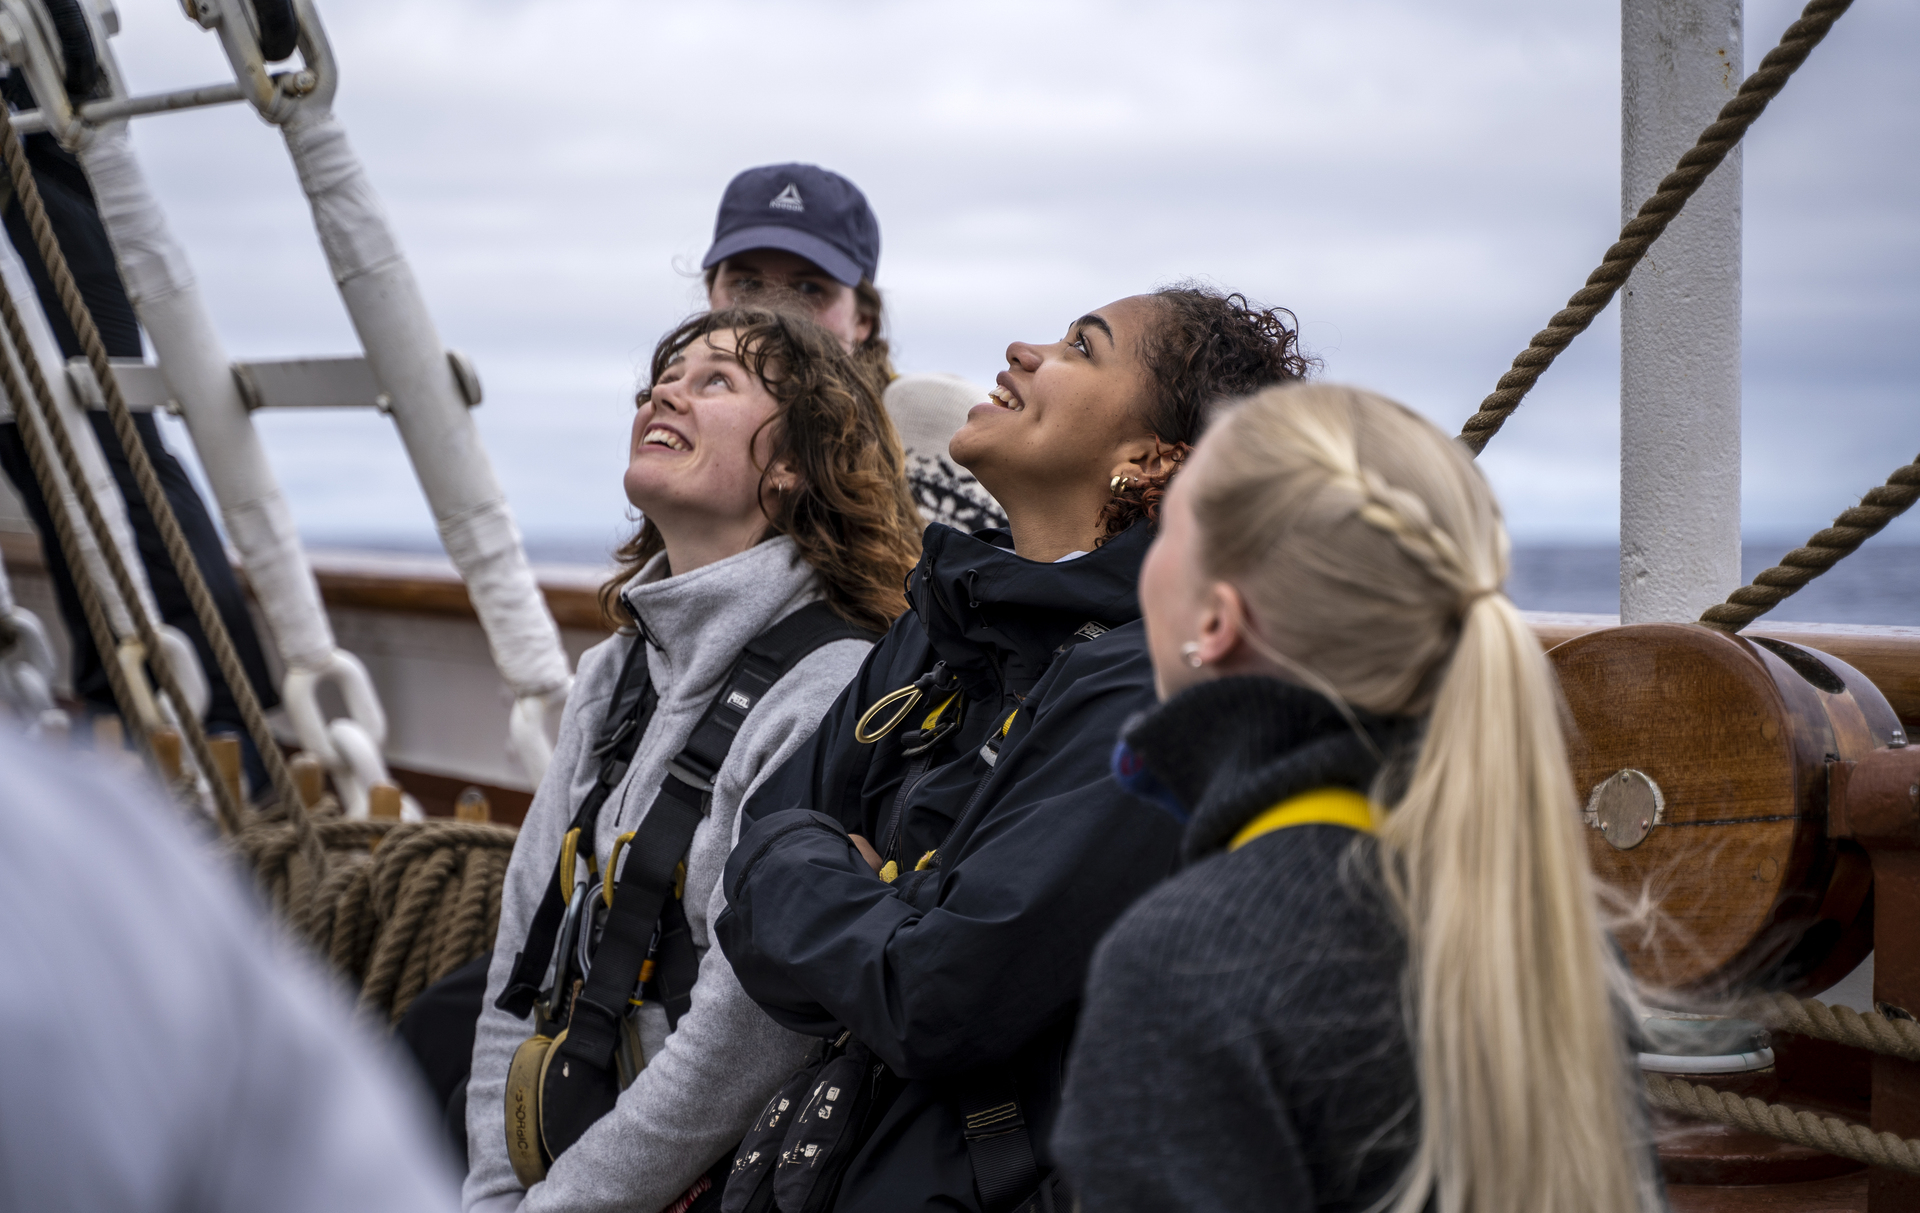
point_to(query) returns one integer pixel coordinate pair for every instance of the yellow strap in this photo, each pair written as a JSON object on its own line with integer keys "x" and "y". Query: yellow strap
{"x": 1008, "y": 722}
{"x": 933, "y": 717}
{"x": 1322, "y": 806}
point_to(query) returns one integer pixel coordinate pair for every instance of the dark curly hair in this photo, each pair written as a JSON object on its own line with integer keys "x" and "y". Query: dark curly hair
{"x": 850, "y": 513}
{"x": 1208, "y": 346}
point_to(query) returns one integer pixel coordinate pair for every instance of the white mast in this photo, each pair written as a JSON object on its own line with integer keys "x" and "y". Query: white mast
{"x": 1680, "y": 61}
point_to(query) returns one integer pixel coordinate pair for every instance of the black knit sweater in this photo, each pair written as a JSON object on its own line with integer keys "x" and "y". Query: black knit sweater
{"x": 1242, "y": 1044}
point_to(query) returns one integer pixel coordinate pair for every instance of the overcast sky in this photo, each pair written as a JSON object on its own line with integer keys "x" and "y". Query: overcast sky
{"x": 1424, "y": 184}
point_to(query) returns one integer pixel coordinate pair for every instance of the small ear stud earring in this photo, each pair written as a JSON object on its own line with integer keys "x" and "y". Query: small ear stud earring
{"x": 1191, "y": 651}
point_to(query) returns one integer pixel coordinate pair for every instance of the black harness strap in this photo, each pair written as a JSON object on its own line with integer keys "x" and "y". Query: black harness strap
{"x": 1004, "y": 1170}
{"x": 646, "y": 878}
{"x": 628, "y": 714}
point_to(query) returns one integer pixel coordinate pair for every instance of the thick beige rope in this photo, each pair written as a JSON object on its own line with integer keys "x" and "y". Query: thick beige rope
{"x": 1841, "y": 1025}
{"x": 1655, "y": 214}
{"x": 52, "y": 487}
{"x": 400, "y": 906}
{"x": 1824, "y": 1133}
{"x": 204, "y": 608}
{"x": 1827, "y": 548}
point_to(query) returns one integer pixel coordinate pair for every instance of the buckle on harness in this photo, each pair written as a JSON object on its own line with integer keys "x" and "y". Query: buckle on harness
{"x": 614, "y": 738}
{"x": 994, "y": 1121}
{"x": 688, "y": 776}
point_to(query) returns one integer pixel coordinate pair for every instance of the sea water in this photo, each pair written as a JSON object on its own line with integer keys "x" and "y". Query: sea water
{"x": 1877, "y": 584}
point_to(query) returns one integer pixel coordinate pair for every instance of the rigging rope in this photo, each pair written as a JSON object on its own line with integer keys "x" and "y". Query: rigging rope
{"x": 175, "y": 542}
{"x": 1824, "y": 1133}
{"x": 49, "y": 422}
{"x": 35, "y": 439}
{"x": 1873, "y": 1032}
{"x": 1655, "y": 214}
{"x": 1829, "y": 547}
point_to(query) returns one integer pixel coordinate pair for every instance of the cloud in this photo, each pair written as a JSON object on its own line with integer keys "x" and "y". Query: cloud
{"x": 1423, "y": 184}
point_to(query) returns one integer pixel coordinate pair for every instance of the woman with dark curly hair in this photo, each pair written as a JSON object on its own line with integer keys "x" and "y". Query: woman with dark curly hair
{"x": 922, "y": 886}
{"x": 771, "y": 484}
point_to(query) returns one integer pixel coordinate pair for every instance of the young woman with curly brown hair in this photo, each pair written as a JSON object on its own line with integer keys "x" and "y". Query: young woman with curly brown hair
{"x": 922, "y": 886}
{"x": 770, "y": 480}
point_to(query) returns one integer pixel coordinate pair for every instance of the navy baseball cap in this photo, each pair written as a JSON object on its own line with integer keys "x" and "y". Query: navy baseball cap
{"x": 802, "y": 209}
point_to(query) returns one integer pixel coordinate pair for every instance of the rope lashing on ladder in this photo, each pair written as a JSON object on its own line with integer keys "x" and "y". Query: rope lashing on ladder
{"x": 1829, "y": 547}
{"x": 1655, "y": 214}
{"x": 1809, "y": 1017}
{"x": 204, "y": 609}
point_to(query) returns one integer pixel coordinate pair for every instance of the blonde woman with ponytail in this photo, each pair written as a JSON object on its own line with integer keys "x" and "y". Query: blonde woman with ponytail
{"x": 1380, "y": 981}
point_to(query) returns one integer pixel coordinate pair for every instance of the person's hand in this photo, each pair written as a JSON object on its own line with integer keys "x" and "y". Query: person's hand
{"x": 866, "y": 851}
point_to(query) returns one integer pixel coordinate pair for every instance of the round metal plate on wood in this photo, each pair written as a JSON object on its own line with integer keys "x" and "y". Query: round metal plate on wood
{"x": 1719, "y": 744}
{"x": 1624, "y": 808}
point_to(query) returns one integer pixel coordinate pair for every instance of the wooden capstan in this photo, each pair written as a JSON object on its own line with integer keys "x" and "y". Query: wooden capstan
{"x": 1760, "y": 804}
{"x": 1704, "y": 760}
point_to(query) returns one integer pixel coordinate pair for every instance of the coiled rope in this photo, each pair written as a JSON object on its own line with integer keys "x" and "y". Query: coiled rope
{"x": 1655, "y": 214}
{"x": 1810, "y": 1017}
{"x": 400, "y": 905}
{"x": 1829, "y": 547}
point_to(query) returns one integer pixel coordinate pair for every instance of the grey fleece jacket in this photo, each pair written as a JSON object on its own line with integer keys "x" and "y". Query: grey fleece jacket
{"x": 703, "y": 1083}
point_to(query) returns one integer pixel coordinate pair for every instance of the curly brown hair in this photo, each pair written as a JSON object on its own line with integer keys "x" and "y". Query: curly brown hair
{"x": 850, "y": 513}
{"x": 1209, "y": 346}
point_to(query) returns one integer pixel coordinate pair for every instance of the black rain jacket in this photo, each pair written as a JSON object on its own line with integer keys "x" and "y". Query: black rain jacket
{"x": 975, "y": 957}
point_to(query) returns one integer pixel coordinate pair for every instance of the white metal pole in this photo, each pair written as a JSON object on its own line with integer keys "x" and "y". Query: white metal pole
{"x": 1680, "y": 61}
{"x": 426, "y": 400}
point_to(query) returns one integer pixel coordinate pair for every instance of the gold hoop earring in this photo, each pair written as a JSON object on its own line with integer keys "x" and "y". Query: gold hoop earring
{"x": 1119, "y": 482}
{"x": 1191, "y": 651}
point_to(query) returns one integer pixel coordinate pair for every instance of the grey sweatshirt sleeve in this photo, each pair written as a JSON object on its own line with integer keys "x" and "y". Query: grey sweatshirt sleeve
{"x": 697, "y": 1094}
{"x": 490, "y": 1183}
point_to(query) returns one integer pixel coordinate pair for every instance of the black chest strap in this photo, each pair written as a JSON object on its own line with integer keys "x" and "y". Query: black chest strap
{"x": 628, "y": 714}
{"x": 645, "y": 882}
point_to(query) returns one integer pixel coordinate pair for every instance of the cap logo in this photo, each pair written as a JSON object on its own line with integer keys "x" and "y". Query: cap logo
{"x": 788, "y": 200}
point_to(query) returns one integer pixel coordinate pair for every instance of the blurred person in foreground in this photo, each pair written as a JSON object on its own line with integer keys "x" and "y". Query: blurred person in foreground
{"x": 162, "y": 1045}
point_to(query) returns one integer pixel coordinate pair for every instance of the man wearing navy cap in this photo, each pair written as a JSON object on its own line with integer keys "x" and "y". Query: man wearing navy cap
{"x": 803, "y": 231}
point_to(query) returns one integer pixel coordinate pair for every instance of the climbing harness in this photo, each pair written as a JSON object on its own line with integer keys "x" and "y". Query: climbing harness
{"x": 584, "y": 1049}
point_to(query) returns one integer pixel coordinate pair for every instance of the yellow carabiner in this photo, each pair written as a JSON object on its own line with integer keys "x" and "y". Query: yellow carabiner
{"x": 569, "y": 851}
{"x": 866, "y": 736}
{"x": 613, "y": 867}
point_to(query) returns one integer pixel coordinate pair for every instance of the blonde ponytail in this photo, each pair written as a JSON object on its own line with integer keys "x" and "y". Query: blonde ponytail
{"x": 1368, "y": 546}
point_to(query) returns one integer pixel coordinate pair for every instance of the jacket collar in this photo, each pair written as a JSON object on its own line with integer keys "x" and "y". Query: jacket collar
{"x": 696, "y": 623}
{"x": 1229, "y": 748}
{"x": 996, "y": 618}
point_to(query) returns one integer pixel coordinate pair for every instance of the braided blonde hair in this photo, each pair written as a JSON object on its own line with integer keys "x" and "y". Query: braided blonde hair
{"x": 1370, "y": 553}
